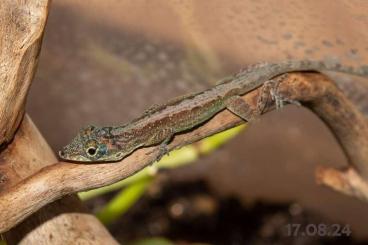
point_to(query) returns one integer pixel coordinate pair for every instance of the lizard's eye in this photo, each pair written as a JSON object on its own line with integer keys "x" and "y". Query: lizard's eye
{"x": 91, "y": 151}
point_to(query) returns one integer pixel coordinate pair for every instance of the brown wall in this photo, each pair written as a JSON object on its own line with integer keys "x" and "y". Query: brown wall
{"x": 106, "y": 61}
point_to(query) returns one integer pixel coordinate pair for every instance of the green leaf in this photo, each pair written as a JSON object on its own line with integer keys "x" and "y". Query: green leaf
{"x": 152, "y": 241}
{"x": 116, "y": 186}
{"x": 123, "y": 201}
{"x": 213, "y": 142}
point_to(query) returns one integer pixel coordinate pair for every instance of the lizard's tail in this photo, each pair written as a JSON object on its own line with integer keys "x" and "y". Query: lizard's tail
{"x": 328, "y": 65}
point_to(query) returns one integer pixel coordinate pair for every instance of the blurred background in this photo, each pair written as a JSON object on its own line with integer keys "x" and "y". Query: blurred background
{"x": 105, "y": 62}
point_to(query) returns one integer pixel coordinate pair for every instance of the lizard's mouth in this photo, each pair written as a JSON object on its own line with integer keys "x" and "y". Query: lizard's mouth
{"x": 63, "y": 155}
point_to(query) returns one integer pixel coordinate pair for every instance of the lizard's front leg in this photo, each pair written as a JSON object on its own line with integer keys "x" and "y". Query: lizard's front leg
{"x": 163, "y": 137}
{"x": 163, "y": 147}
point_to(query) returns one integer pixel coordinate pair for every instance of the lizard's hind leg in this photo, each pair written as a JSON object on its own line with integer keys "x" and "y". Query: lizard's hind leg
{"x": 277, "y": 97}
{"x": 237, "y": 105}
{"x": 270, "y": 91}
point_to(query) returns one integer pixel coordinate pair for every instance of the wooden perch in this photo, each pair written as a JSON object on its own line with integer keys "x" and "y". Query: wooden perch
{"x": 65, "y": 221}
{"x": 312, "y": 89}
{"x": 21, "y": 29}
{"x": 62, "y": 222}
{"x": 347, "y": 181}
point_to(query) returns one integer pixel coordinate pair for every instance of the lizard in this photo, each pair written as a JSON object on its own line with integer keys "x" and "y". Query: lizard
{"x": 158, "y": 125}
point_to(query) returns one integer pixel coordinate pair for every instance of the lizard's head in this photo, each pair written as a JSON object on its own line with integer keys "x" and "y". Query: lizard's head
{"x": 92, "y": 144}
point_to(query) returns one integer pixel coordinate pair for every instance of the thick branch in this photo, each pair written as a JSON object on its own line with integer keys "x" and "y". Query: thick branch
{"x": 22, "y": 25}
{"x": 64, "y": 221}
{"x": 53, "y": 182}
{"x": 21, "y": 28}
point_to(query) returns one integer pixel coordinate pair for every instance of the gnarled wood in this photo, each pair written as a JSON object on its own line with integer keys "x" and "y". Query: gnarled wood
{"x": 65, "y": 221}
{"x": 55, "y": 181}
{"x": 347, "y": 181}
{"x": 22, "y": 25}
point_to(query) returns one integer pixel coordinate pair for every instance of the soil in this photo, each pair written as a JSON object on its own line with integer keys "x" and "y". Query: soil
{"x": 190, "y": 212}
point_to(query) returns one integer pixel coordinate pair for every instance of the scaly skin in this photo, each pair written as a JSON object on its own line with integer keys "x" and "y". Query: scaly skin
{"x": 159, "y": 124}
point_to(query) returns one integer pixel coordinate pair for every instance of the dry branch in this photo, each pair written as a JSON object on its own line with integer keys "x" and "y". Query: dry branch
{"x": 55, "y": 181}
{"x": 62, "y": 222}
{"x": 22, "y": 25}
{"x": 65, "y": 221}
{"x": 347, "y": 181}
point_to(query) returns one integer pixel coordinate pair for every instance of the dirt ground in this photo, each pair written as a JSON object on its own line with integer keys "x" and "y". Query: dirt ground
{"x": 189, "y": 212}
{"x": 105, "y": 62}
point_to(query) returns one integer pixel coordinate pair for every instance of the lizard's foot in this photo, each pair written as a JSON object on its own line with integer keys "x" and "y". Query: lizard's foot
{"x": 162, "y": 151}
{"x": 281, "y": 100}
{"x": 162, "y": 148}
{"x": 270, "y": 90}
